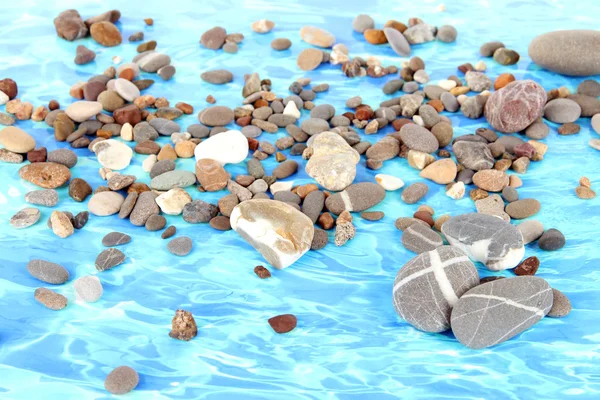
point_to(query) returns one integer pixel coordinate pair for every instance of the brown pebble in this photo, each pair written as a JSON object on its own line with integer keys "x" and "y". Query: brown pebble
{"x": 169, "y": 232}
{"x": 37, "y": 155}
{"x": 466, "y": 67}
{"x": 262, "y": 272}
{"x": 503, "y": 80}
{"x": 183, "y": 326}
{"x": 584, "y": 181}
{"x": 478, "y": 194}
{"x": 304, "y": 190}
{"x": 220, "y": 223}
{"x": 149, "y": 21}
{"x": 424, "y": 216}
{"x": 372, "y": 215}
{"x": 283, "y": 323}
{"x": 528, "y": 266}
{"x": 570, "y": 128}
{"x": 584, "y": 192}
{"x": 50, "y": 299}
{"x": 53, "y": 105}
{"x": 326, "y": 221}
{"x": 185, "y": 107}
{"x": 211, "y": 100}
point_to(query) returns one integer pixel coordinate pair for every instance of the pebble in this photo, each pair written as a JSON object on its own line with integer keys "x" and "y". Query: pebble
{"x": 42, "y": 197}
{"x": 47, "y": 175}
{"x": 88, "y": 289}
{"x": 105, "y": 203}
{"x": 510, "y": 194}
{"x": 61, "y": 224}
{"x": 70, "y": 26}
{"x": 83, "y": 55}
{"x": 478, "y": 81}
{"x": 173, "y": 201}
{"x": 169, "y": 232}
{"x": 115, "y": 239}
{"x": 166, "y": 72}
{"x": 106, "y": 34}
{"x": 492, "y": 205}
{"x": 309, "y": 59}
{"x": 173, "y": 179}
{"x": 181, "y": 246}
{"x": 528, "y": 266}
{"x": 441, "y": 171}
{"x": 263, "y": 26}
{"x": 491, "y": 180}
{"x": 414, "y": 192}
{"x": 562, "y": 111}
{"x": 16, "y": 140}
{"x": 589, "y": 87}
{"x": 155, "y": 223}
{"x": 506, "y": 57}
{"x": 424, "y": 298}
{"x": 493, "y": 305}
{"x": 551, "y": 240}
{"x": 419, "y": 33}
{"x": 109, "y": 258}
{"x": 455, "y": 190}
{"x": 362, "y": 22}
{"x": 505, "y": 118}
{"x": 48, "y": 272}
{"x": 584, "y": 192}
{"x": 183, "y": 326}
{"x": 283, "y": 323}
{"x": 475, "y": 156}
{"x": 281, "y": 44}
{"x": 398, "y": 42}
{"x": 217, "y": 76}
{"x": 144, "y": 207}
{"x": 213, "y": 38}
{"x": 489, "y": 48}
{"x": 521, "y": 209}
{"x": 537, "y": 130}
{"x": 418, "y": 138}
{"x": 317, "y": 36}
{"x": 50, "y": 299}
{"x": 420, "y": 239}
{"x": 25, "y": 218}
{"x": 490, "y": 240}
{"x": 567, "y": 52}
{"x": 531, "y": 230}
{"x": 216, "y": 116}
{"x": 355, "y": 198}
{"x": 121, "y": 380}
{"x": 447, "y": 34}
{"x": 110, "y": 100}
{"x": 333, "y": 162}
{"x": 65, "y": 157}
{"x": 561, "y": 306}
{"x": 198, "y": 211}
{"x": 113, "y": 154}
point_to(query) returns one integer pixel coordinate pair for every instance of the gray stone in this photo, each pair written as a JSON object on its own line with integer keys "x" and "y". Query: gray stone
{"x": 531, "y": 230}
{"x": 217, "y": 76}
{"x": 166, "y": 72}
{"x": 109, "y": 258}
{"x": 473, "y": 155}
{"x": 65, "y": 157}
{"x": 589, "y": 87}
{"x": 115, "y": 239}
{"x": 362, "y": 22}
{"x": 42, "y": 197}
{"x": 196, "y": 130}
{"x": 119, "y": 181}
{"x": 499, "y": 310}
{"x": 420, "y": 238}
{"x": 590, "y": 106}
{"x": 296, "y": 99}
{"x": 181, "y": 246}
{"x": 251, "y": 85}
{"x": 447, "y": 34}
{"x": 356, "y": 197}
{"x": 255, "y": 168}
{"x": 537, "y": 131}
{"x": 392, "y": 86}
{"x": 510, "y": 194}
{"x": 416, "y": 137}
{"x": 429, "y": 115}
{"x": 429, "y": 285}
{"x": 478, "y": 81}
{"x": 320, "y": 239}
{"x": 323, "y": 111}
{"x": 173, "y": 179}
{"x": 155, "y": 223}
{"x": 25, "y": 218}
{"x": 489, "y": 48}
{"x": 258, "y": 186}
{"x": 450, "y": 102}
{"x": 262, "y": 113}
{"x": 562, "y": 111}
{"x": 354, "y": 102}
{"x": 472, "y": 107}
{"x": 251, "y": 131}
{"x": 287, "y": 196}
{"x": 419, "y": 33}
{"x": 128, "y": 204}
{"x": 199, "y": 211}
{"x": 568, "y": 52}
{"x": 282, "y": 120}
{"x": 465, "y": 176}
{"x": 153, "y": 61}
{"x": 313, "y": 205}
{"x": 48, "y": 272}
{"x": 410, "y": 103}
{"x": 145, "y": 206}
{"x": 551, "y": 240}
{"x": 166, "y": 127}
{"x": 80, "y": 219}
{"x": 216, "y": 116}
{"x": 161, "y": 167}
{"x": 415, "y": 192}
{"x": 313, "y": 126}
{"x": 121, "y": 380}
{"x": 144, "y": 131}
{"x": 487, "y": 239}
{"x": 411, "y": 87}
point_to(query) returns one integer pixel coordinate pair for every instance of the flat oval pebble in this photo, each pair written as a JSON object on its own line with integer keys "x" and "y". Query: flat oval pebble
{"x": 317, "y": 36}
{"x": 309, "y": 59}
{"x": 114, "y": 154}
{"x": 173, "y": 179}
{"x": 562, "y": 111}
{"x": 362, "y": 22}
{"x": 50, "y": 299}
{"x": 552, "y": 240}
{"x": 216, "y": 116}
{"x": 83, "y": 110}
{"x": 397, "y": 41}
{"x": 25, "y": 218}
{"x": 281, "y": 44}
{"x": 568, "y": 52}
{"x": 181, "y": 246}
{"x": 115, "y": 239}
{"x": 109, "y": 258}
{"x": 505, "y": 307}
{"x": 420, "y": 238}
{"x": 428, "y": 286}
{"x": 487, "y": 239}
{"x": 48, "y": 272}
{"x": 356, "y": 197}
{"x": 531, "y": 230}
{"x": 561, "y": 306}
{"x": 491, "y": 180}
{"x": 105, "y": 203}
{"x": 16, "y": 140}
{"x": 47, "y": 175}
{"x": 415, "y": 192}
{"x": 88, "y": 289}
{"x": 42, "y": 197}
{"x": 126, "y": 89}
{"x": 524, "y": 208}
{"x": 217, "y": 76}
{"x": 416, "y": 137}
{"x": 121, "y": 380}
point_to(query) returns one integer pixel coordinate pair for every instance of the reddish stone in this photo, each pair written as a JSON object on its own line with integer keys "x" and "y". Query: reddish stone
{"x": 261, "y": 103}
{"x": 53, "y": 105}
{"x": 364, "y": 112}
{"x": 138, "y": 187}
{"x": 326, "y": 221}
{"x": 9, "y": 87}
{"x": 524, "y": 150}
{"x": 185, "y": 107}
{"x": 399, "y": 123}
{"x": 466, "y": 67}
{"x": 437, "y": 104}
{"x": 528, "y": 266}
{"x": 253, "y": 144}
{"x": 127, "y": 73}
{"x": 262, "y": 272}
{"x": 570, "y": 128}
{"x": 244, "y": 121}
{"x": 424, "y": 216}
{"x": 129, "y": 114}
{"x": 283, "y": 323}
{"x": 349, "y": 115}
{"x": 37, "y": 155}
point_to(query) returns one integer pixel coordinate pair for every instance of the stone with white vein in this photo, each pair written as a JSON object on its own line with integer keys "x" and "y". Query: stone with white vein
{"x": 496, "y": 311}
{"x": 487, "y": 239}
{"x": 279, "y": 232}
{"x": 420, "y": 238}
{"x": 429, "y": 285}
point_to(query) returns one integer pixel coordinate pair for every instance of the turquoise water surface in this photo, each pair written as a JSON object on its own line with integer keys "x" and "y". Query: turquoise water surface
{"x": 349, "y": 343}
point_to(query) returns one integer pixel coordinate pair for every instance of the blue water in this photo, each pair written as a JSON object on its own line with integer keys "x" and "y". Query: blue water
{"x": 349, "y": 342}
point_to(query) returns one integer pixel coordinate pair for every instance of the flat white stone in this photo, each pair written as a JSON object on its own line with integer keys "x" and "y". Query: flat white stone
{"x": 114, "y": 154}
{"x": 389, "y": 182}
{"x": 126, "y": 89}
{"x": 229, "y": 147}
{"x": 83, "y": 110}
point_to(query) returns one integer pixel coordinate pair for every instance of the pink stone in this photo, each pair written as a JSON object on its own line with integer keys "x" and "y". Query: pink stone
{"x": 515, "y": 106}
{"x": 525, "y": 150}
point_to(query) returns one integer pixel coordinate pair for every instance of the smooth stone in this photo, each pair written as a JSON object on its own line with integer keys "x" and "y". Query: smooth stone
{"x": 83, "y": 110}
{"x": 333, "y": 162}
{"x": 505, "y": 307}
{"x": 362, "y": 22}
{"x": 88, "y": 289}
{"x": 428, "y": 286}
{"x": 48, "y": 272}
{"x": 441, "y": 171}
{"x": 181, "y": 246}
{"x": 590, "y": 106}
{"x": 416, "y": 137}
{"x": 473, "y": 155}
{"x": 397, "y": 41}
{"x": 317, "y": 36}
{"x": 414, "y": 192}
{"x": 173, "y": 179}
{"x": 109, "y": 258}
{"x": 561, "y": 306}
{"x": 562, "y": 111}
{"x": 42, "y": 197}
{"x": 385, "y": 149}
{"x": 489, "y": 48}
{"x": 492, "y": 205}
{"x": 127, "y": 90}
{"x": 487, "y": 239}
{"x": 121, "y": 380}
{"x": 61, "y": 224}
{"x": 521, "y": 209}
{"x": 152, "y": 61}
{"x": 313, "y": 126}
{"x": 567, "y": 52}
{"x": 50, "y": 299}
{"x": 173, "y": 201}
{"x": 155, "y": 223}
{"x": 144, "y": 131}
{"x": 537, "y": 131}
{"x": 115, "y": 239}
{"x": 275, "y": 229}
{"x": 446, "y": 34}
{"x": 281, "y": 44}
{"x": 551, "y": 240}
{"x": 213, "y": 38}
{"x": 531, "y": 230}
{"x": 491, "y": 180}
{"x": 229, "y": 147}
{"x": 355, "y": 198}
{"x": 389, "y": 182}
{"x": 105, "y": 203}
{"x": 166, "y": 127}
{"x": 313, "y": 205}
{"x": 25, "y": 218}
{"x": 199, "y": 211}
{"x": 16, "y": 140}
{"x": 510, "y": 194}
{"x": 113, "y": 154}
{"x": 216, "y": 116}
{"x": 65, "y": 157}
{"x": 420, "y": 239}
{"x": 144, "y": 207}
{"x": 47, "y": 175}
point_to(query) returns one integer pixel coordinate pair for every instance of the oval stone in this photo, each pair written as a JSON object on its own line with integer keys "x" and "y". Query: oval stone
{"x": 216, "y": 116}
{"x": 48, "y": 272}
{"x": 47, "y": 175}
{"x": 568, "y": 52}
{"x": 356, "y": 197}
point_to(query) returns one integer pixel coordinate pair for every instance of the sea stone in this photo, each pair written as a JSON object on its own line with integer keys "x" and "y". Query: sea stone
{"x": 420, "y": 33}
{"x": 109, "y": 258}
{"x": 167, "y": 127}
{"x": 106, "y": 33}
{"x": 562, "y": 111}
{"x": 333, "y": 162}
{"x": 25, "y": 218}
{"x": 397, "y": 41}
{"x": 79, "y": 189}
{"x": 429, "y": 285}
{"x": 531, "y": 230}
{"x": 491, "y": 180}
{"x": 317, "y": 36}
{"x": 173, "y": 201}
{"x": 441, "y": 171}
{"x": 88, "y": 289}
{"x": 50, "y": 298}
{"x": 551, "y": 240}
{"x": 567, "y": 52}
{"x": 283, "y": 323}
{"x": 121, "y": 380}
{"x": 115, "y": 239}
{"x": 362, "y": 22}
{"x": 281, "y": 44}
{"x": 211, "y": 175}
{"x": 473, "y": 155}
{"x": 313, "y": 204}
{"x": 420, "y": 239}
{"x": 105, "y": 203}
{"x": 70, "y": 26}
{"x": 355, "y": 198}
{"x": 173, "y": 179}
{"x": 48, "y": 272}
{"x": 524, "y": 208}
{"x": 385, "y": 149}
{"x": 415, "y": 192}
{"x": 217, "y": 76}
{"x": 83, "y": 110}
{"x": 145, "y": 206}
{"x": 478, "y": 81}
{"x": 42, "y": 197}
{"x": 199, "y": 211}
{"x": 114, "y": 154}
{"x": 229, "y": 147}
{"x": 416, "y": 137}
{"x": 16, "y": 140}
{"x": 181, "y": 246}
{"x": 561, "y": 306}
{"x": 515, "y": 106}
{"x": 183, "y": 326}
{"x": 503, "y": 307}
{"x": 486, "y": 238}
{"x": 47, "y": 175}
{"x": 65, "y": 157}
{"x": 314, "y": 126}
{"x": 275, "y": 229}
{"x": 213, "y": 38}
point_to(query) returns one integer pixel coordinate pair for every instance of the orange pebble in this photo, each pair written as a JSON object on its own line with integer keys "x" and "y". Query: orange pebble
{"x": 503, "y": 80}
{"x": 127, "y": 73}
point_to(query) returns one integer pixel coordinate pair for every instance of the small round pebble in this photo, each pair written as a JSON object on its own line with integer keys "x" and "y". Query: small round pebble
{"x": 561, "y": 306}
{"x": 551, "y": 240}
{"x": 121, "y": 380}
{"x": 181, "y": 246}
{"x": 169, "y": 232}
{"x": 88, "y": 289}
{"x": 156, "y": 222}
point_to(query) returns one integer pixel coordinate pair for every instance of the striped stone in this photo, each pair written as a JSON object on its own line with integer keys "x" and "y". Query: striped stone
{"x": 487, "y": 239}
{"x": 420, "y": 238}
{"x": 429, "y": 285}
{"x": 496, "y": 311}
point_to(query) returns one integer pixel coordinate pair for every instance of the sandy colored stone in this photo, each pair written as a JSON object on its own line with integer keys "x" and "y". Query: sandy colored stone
{"x": 47, "y": 175}
{"x": 442, "y": 171}
{"x": 317, "y": 36}
{"x": 106, "y": 34}
{"x": 211, "y": 175}
{"x": 491, "y": 180}
{"x": 16, "y": 140}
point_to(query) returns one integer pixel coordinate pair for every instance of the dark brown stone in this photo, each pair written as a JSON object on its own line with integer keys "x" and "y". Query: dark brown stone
{"x": 528, "y": 266}
{"x": 37, "y": 155}
{"x": 262, "y": 272}
{"x": 79, "y": 189}
{"x": 183, "y": 326}
{"x": 283, "y": 323}
{"x": 9, "y": 87}
{"x": 147, "y": 147}
{"x": 129, "y": 114}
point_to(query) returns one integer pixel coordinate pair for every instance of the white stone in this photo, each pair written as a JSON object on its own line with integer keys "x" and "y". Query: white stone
{"x": 421, "y": 76}
{"x": 173, "y": 201}
{"x": 291, "y": 109}
{"x": 462, "y": 98}
{"x": 333, "y": 162}
{"x": 389, "y": 182}
{"x": 116, "y": 59}
{"x": 83, "y": 110}
{"x": 340, "y": 47}
{"x": 595, "y": 123}
{"x": 456, "y": 190}
{"x": 127, "y": 132}
{"x": 281, "y": 233}
{"x": 88, "y": 289}
{"x": 103, "y": 171}
{"x": 105, "y": 203}
{"x": 126, "y": 89}
{"x": 110, "y": 174}
{"x": 149, "y": 162}
{"x": 281, "y": 186}
{"x": 418, "y": 120}
{"x": 114, "y": 154}
{"x": 177, "y": 137}
{"x": 447, "y": 84}
{"x": 3, "y": 98}
{"x": 229, "y": 147}
{"x": 480, "y": 66}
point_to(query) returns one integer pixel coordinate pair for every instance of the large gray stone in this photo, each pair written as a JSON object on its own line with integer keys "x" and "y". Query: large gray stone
{"x": 429, "y": 285}
{"x": 486, "y": 238}
{"x": 568, "y": 52}
{"x": 416, "y": 137}
{"x": 173, "y": 179}
{"x": 473, "y": 155}
{"x": 496, "y": 311}
{"x": 48, "y": 272}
